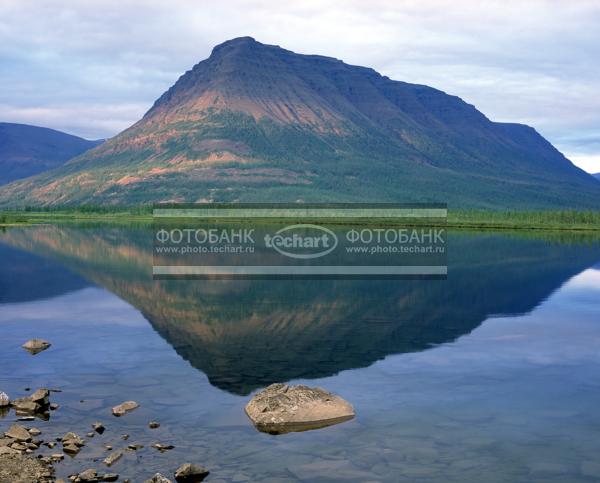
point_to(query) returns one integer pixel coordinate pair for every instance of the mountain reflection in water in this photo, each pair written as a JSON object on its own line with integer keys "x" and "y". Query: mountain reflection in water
{"x": 246, "y": 334}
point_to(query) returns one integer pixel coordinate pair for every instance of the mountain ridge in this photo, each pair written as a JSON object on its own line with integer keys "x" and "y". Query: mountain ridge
{"x": 26, "y": 150}
{"x": 256, "y": 122}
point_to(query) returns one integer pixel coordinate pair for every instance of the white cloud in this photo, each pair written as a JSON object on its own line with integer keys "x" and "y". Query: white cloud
{"x": 532, "y": 61}
{"x": 587, "y": 162}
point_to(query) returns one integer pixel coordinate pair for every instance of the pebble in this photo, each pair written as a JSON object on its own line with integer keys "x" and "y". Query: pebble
{"x": 124, "y": 408}
{"x": 158, "y": 478}
{"x": 162, "y": 447}
{"x": 35, "y": 346}
{"x": 112, "y": 458}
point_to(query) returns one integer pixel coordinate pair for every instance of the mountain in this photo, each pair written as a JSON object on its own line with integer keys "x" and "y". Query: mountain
{"x": 29, "y": 150}
{"x": 256, "y": 122}
{"x": 597, "y": 175}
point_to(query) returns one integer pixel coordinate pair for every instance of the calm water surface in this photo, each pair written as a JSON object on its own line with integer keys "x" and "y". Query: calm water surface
{"x": 491, "y": 375}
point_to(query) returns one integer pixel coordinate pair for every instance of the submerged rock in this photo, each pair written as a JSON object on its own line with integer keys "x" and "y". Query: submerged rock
{"x": 163, "y": 447}
{"x": 112, "y": 458}
{"x": 35, "y": 346}
{"x": 124, "y": 408}
{"x": 189, "y": 473}
{"x": 282, "y": 409}
{"x": 71, "y": 449}
{"x": 158, "y": 478}
{"x": 90, "y": 476}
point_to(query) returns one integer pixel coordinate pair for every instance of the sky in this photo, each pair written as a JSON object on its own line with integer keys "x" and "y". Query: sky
{"x": 93, "y": 67}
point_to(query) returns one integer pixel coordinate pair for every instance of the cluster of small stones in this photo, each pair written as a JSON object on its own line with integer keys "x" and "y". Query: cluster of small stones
{"x": 18, "y": 443}
{"x": 37, "y": 404}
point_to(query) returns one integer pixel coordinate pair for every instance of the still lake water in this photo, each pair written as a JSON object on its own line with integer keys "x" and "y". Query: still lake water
{"x": 492, "y": 375}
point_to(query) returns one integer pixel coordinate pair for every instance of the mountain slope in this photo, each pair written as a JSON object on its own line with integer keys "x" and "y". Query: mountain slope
{"x": 597, "y": 176}
{"x": 29, "y": 150}
{"x": 256, "y": 122}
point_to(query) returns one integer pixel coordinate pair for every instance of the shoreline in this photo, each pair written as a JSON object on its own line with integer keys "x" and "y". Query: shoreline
{"x": 457, "y": 220}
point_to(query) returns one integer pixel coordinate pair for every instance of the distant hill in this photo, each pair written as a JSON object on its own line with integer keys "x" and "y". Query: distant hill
{"x": 29, "y": 150}
{"x": 597, "y": 175}
{"x": 256, "y": 122}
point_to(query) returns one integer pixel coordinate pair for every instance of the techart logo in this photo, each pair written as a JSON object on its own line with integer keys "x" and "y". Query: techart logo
{"x": 303, "y": 241}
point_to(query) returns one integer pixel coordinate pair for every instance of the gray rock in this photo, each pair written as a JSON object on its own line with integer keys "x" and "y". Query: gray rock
{"x": 57, "y": 457}
{"x": 38, "y": 402}
{"x": 18, "y": 433}
{"x": 88, "y": 476}
{"x": 4, "y": 400}
{"x": 25, "y": 405}
{"x": 41, "y": 397}
{"x": 158, "y": 478}
{"x": 6, "y": 441}
{"x": 163, "y": 447}
{"x": 112, "y": 458}
{"x": 189, "y": 473}
{"x": 35, "y": 346}
{"x": 110, "y": 477}
{"x": 34, "y": 432}
{"x": 71, "y": 449}
{"x": 5, "y": 450}
{"x": 124, "y": 408}
{"x": 281, "y": 409}
{"x": 98, "y": 427}
{"x": 153, "y": 425}
{"x": 72, "y": 439}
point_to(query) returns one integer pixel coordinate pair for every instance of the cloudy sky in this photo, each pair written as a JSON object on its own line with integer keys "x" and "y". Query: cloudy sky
{"x": 93, "y": 67}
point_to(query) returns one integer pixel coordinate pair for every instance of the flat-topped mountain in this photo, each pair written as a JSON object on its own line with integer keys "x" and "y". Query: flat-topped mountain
{"x": 256, "y": 122}
{"x": 28, "y": 150}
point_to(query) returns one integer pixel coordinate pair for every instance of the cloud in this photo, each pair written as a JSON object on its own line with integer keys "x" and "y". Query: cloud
{"x": 532, "y": 61}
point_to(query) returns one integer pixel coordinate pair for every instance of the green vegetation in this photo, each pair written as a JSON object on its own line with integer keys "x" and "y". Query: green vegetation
{"x": 31, "y": 215}
{"x": 531, "y": 220}
{"x": 570, "y": 220}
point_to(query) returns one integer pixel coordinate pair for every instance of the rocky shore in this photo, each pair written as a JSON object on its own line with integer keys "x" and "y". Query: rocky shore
{"x": 28, "y": 454}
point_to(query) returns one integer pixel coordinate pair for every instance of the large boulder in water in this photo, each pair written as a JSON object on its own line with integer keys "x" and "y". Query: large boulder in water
{"x": 282, "y": 409}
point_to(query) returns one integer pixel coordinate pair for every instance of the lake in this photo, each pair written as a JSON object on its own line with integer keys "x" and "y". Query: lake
{"x": 489, "y": 375}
